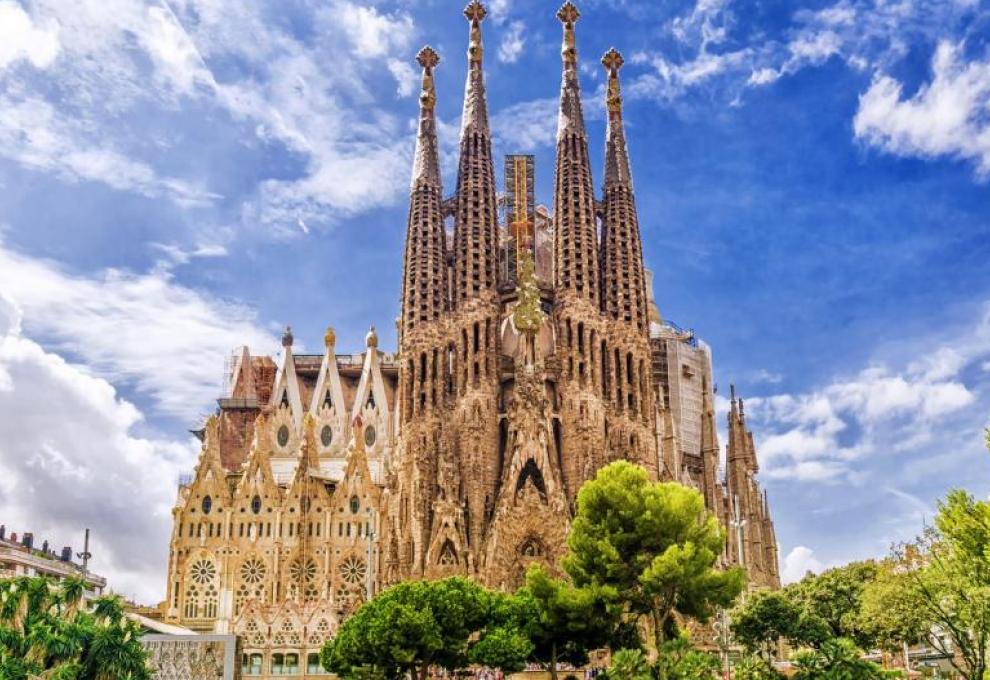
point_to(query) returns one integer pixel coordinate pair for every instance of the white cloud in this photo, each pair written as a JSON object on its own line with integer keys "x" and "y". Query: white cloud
{"x": 177, "y": 60}
{"x": 946, "y": 117}
{"x": 499, "y": 10}
{"x": 799, "y": 561}
{"x": 314, "y": 94}
{"x": 513, "y": 42}
{"x": 828, "y": 433}
{"x": 527, "y": 126}
{"x": 372, "y": 33}
{"x": 167, "y": 340}
{"x": 20, "y": 38}
{"x": 36, "y": 135}
{"x": 406, "y": 78}
{"x": 765, "y": 376}
{"x": 69, "y": 460}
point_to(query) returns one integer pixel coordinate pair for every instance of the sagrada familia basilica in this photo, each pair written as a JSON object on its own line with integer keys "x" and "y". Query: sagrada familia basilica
{"x": 531, "y": 354}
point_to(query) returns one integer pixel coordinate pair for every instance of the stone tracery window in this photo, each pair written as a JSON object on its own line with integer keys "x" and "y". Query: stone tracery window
{"x": 202, "y": 571}
{"x": 303, "y": 570}
{"x": 202, "y": 599}
{"x": 353, "y": 570}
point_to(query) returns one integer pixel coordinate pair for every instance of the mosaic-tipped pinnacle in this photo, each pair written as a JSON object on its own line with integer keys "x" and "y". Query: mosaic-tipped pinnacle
{"x": 428, "y": 57}
{"x": 568, "y": 13}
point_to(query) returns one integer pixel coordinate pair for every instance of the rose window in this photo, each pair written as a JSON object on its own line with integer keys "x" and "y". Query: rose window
{"x": 203, "y": 571}
{"x": 253, "y": 571}
{"x": 353, "y": 570}
{"x": 303, "y": 570}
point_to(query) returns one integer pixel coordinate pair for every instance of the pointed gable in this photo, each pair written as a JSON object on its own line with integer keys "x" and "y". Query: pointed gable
{"x": 327, "y": 406}
{"x": 286, "y": 391}
{"x": 371, "y": 400}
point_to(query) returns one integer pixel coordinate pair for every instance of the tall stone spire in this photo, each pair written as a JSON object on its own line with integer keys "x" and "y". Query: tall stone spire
{"x": 576, "y": 247}
{"x": 425, "y": 277}
{"x": 623, "y": 280}
{"x": 476, "y": 222}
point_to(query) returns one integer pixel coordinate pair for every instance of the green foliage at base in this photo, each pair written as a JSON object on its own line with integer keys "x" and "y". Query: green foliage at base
{"x": 48, "y": 631}
{"x": 409, "y": 627}
{"x": 654, "y": 544}
{"x": 838, "y": 659}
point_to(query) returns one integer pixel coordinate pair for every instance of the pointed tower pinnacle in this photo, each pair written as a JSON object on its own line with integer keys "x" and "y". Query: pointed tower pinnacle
{"x": 426, "y": 166}
{"x": 476, "y": 219}
{"x": 576, "y": 243}
{"x": 425, "y": 272}
{"x": 624, "y": 294}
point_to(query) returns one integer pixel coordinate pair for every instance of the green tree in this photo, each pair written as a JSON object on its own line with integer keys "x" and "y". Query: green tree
{"x": 889, "y": 610}
{"x": 563, "y": 621}
{"x": 947, "y": 579}
{"x": 678, "y": 660}
{"x": 834, "y": 598}
{"x": 629, "y": 664}
{"x": 653, "y": 543}
{"x": 756, "y": 668}
{"x": 837, "y": 659}
{"x": 417, "y": 624}
{"x": 49, "y": 631}
{"x": 769, "y": 616}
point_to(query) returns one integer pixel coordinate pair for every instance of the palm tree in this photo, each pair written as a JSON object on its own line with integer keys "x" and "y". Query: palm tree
{"x": 49, "y": 632}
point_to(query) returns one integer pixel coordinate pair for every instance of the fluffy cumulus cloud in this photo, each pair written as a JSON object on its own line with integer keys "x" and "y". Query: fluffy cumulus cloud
{"x": 22, "y": 38}
{"x": 167, "y": 340}
{"x": 947, "y": 116}
{"x": 69, "y": 459}
{"x": 712, "y": 51}
{"x": 829, "y": 433}
{"x": 798, "y": 563}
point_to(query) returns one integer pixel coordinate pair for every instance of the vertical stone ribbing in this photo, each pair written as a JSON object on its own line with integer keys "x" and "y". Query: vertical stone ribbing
{"x": 623, "y": 281}
{"x": 747, "y": 504}
{"x": 476, "y": 219}
{"x": 576, "y": 248}
{"x": 424, "y": 281}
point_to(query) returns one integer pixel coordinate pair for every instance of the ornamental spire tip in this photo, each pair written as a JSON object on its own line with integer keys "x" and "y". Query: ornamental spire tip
{"x": 568, "y": 13}
{"x": 612, "y": 61}
{"x": 475, "y": 11}
{"x": 428, "y": 57}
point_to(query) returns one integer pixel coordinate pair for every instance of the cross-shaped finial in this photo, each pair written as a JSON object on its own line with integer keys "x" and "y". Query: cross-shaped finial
{"x": 475, "y": 11}
{"x": 568, "y": 13}
{"x": 428, "y": 57}
{"x": 612, "y": 60}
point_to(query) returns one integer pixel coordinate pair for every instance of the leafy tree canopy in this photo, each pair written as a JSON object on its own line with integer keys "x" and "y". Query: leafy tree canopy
{"x": 417, "y": 624}
{"x": 654, "y": 544}
{"x": 890, "y": 613}
{"x": 768, "y": 616}
{"x": 838, "y": 659}
{"x": 945, "y": 578}
{"x": 48, "y": 631}
{"x": 563, "y": 621}
{"x": 834, "y": 597}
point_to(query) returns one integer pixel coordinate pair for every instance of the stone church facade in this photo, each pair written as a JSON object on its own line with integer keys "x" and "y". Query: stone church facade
{"x": 530, "y": 355}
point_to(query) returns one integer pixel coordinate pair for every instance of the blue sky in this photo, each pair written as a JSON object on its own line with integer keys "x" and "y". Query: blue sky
{"x": 179, "y": 178}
